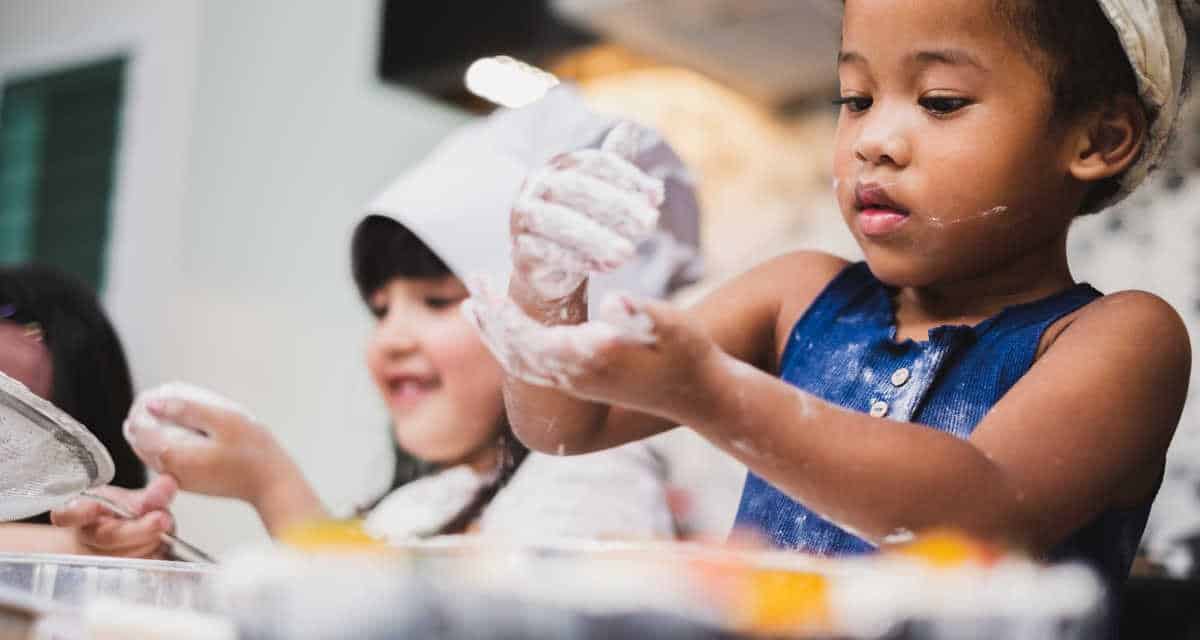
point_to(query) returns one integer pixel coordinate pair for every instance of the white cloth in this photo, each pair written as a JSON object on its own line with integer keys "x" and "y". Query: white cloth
{"x": 616, "y": 494}
{"x": 425, "y": 505}
{"x": 1153, "y": 37}
{"x": 457, "y": 201}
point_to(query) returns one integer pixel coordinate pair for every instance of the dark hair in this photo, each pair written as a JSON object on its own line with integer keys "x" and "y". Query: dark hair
{"x": 91, "y": 380}
{"x": 1075, "y": 40}
{"x": 1085, "y": 64}
{"x": 380, "y": 251}
{"x": 383, "y": 249}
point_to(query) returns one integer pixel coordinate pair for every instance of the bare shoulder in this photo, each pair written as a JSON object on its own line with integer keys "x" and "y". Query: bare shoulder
{"x": 792, "y": 279}
{"x": 1135, "y": 335}
{"x": 1120, "y": 365}
{"x": 1133, "y": 316}
{"x": 744, "y": 314}
{"x": 802, "y": 276}
{"x": 799, "y": 272}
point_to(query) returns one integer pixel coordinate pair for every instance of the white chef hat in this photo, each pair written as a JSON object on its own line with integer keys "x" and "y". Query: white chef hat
{"x": 457, "y": 200}
{"x": 1153, "y": 37}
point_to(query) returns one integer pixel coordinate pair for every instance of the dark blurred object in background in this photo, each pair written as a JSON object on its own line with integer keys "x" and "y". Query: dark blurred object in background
{"x": 781, "y": 53}
{"x": 429, "y": 45}
{"x": 1161, "y": 608}
{"x": 777, "y": 52}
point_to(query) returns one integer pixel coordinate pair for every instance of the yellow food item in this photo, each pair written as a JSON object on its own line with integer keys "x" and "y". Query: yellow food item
{"x": 780, "y": 601}
{"x": 331, "y": 535}
{"x": 949, "y": 549}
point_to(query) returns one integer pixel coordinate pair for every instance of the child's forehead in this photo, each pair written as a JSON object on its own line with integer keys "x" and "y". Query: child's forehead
{"x": 970, "y": 32}
{"x": 953, "y": 14}
{"x": 906, "y": 19}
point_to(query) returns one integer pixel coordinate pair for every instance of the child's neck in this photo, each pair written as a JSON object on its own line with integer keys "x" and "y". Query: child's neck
{"x": 971, "y": 300}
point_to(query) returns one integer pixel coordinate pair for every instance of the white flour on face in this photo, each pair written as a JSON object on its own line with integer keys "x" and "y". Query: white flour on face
{"x": 940, "y": 222}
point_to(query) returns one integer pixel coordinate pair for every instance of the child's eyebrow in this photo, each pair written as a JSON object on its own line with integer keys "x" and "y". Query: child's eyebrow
{"x": 953, "y": 57}
{"x": 847, "y": 57}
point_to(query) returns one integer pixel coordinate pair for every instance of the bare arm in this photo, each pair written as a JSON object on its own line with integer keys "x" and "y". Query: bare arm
{"x": 1086, "y": 429}
{"x": 37, "y": 538}
{"x": 238, "y": 458}
{"x": 288, "y": 501}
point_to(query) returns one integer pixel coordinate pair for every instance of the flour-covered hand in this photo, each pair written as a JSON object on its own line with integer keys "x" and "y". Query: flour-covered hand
{"x": 585, "y": 211}
{"x": 641, "y": 354}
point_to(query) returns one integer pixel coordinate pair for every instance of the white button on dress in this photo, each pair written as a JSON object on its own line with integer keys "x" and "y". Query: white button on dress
{"x": 879, "y": 409}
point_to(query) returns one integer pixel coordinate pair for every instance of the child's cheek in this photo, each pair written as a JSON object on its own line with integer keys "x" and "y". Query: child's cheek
{"x": 375, "y": 359}
{"x": 461, "y": 358}
{"x": 843, "y": 171}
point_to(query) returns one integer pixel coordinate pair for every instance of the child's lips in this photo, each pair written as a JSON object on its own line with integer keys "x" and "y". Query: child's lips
{"x": 878, "y": 214}
{"x": 877, "y": 221}
{"x": 405, "y": 393}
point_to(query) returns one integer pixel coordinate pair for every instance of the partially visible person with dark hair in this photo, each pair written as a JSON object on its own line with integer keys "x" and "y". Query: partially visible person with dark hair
{"x": 56, "y": 340}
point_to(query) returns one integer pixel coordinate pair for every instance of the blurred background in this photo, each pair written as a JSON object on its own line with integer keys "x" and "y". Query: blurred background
{"x": 201, "y": 165}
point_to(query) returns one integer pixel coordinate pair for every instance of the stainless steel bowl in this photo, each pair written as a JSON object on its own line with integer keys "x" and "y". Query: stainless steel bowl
{"x": 74, "y": 581}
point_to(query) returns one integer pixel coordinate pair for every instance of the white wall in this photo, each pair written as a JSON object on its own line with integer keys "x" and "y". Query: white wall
{"x": 253, "y": 134}
{"x": 292, "y": 135}
{"x": 159, "y": 41}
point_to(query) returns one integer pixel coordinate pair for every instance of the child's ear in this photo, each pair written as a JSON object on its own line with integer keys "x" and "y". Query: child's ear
{"x": 1109, "y": 139}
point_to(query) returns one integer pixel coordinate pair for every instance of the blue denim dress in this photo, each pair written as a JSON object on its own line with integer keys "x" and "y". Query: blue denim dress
{"x": 843, "y": 349}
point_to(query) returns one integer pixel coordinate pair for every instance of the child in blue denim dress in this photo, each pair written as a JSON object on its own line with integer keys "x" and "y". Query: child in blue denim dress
{"x": 959, "y": 377}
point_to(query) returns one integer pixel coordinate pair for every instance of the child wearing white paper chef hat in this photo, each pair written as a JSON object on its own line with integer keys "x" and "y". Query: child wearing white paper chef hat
{"x": 959, "y": 377}
{"x": 442, "y": 222}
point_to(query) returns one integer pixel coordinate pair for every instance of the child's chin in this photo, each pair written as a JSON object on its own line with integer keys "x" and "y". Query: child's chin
{"x": 896, "y": 270}
{"x": 426, "y": 451}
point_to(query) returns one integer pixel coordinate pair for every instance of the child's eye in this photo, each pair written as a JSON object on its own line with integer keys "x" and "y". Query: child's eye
{"x": 378, "y": 310}
{"x": 438, "y": 303}
{"x": 939, "y": 106}
{"x": 853, "y": 104}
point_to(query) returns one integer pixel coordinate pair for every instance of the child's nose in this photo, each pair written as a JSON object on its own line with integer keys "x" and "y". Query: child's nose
{"x": 883, "y": 142}
{"x": 398, "y": 337}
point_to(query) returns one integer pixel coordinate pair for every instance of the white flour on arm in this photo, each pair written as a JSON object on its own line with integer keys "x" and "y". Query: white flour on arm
{"x": 550, "y": 356}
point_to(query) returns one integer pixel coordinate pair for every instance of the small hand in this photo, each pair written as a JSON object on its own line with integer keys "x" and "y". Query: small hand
{"x": 586, "y": 211}
{"x": 228, "y": 455}
{"x": 100, "y": 531}
{"x": 640, "y": 354}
